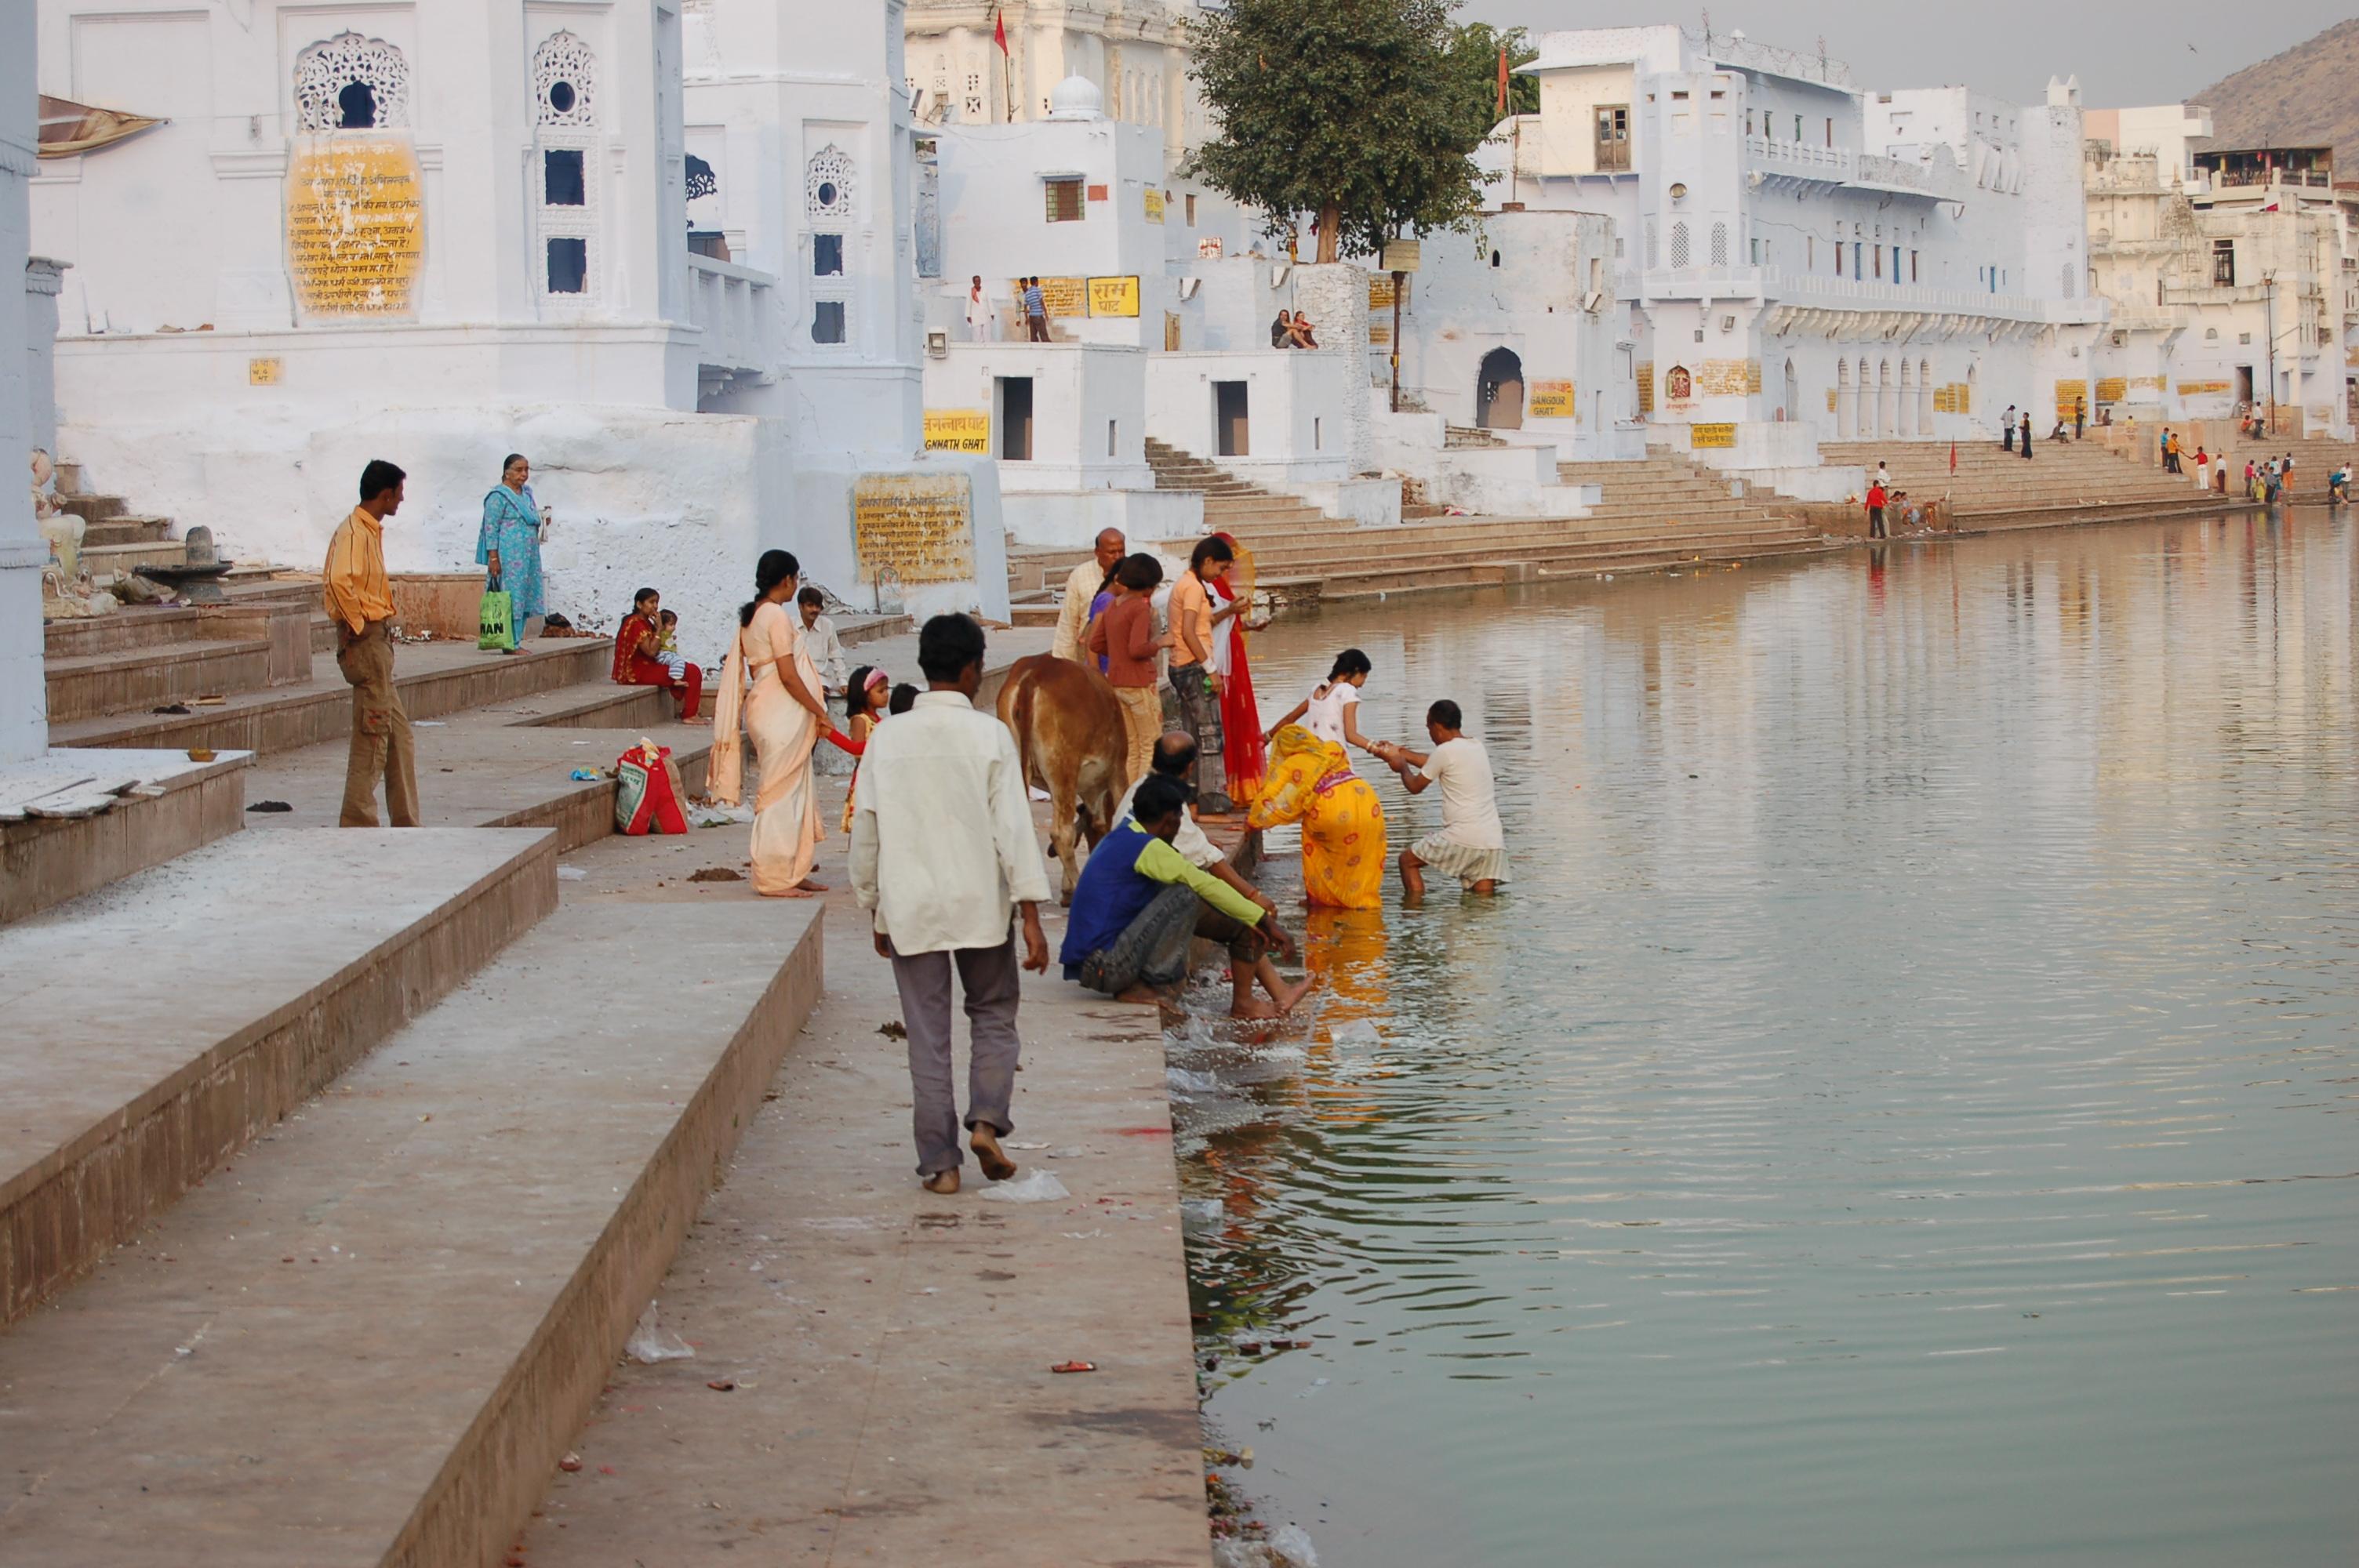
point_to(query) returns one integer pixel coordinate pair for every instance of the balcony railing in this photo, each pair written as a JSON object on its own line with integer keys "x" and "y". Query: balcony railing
{"x": 1867, "y": 171}
{"x": 735, "y": 308}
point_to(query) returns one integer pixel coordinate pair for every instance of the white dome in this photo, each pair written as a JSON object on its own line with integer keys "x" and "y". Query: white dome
{"x": 1076, "y": 98}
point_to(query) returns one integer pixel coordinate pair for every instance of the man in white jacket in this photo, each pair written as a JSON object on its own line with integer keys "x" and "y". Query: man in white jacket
{"x": 945, "y": 860}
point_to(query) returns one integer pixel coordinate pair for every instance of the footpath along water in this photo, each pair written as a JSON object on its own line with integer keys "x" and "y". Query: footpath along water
{"x": 1901, "y": 1113}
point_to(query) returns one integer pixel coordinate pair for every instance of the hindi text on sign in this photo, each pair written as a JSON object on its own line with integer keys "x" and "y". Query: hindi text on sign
{"x": 355, "y": 225}
{"x": 913, "y": 528}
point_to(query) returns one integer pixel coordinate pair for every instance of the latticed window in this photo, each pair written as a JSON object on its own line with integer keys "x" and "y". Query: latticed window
{"x": 1678, "y": 246}
{"x": 1064, "y": 200}
{"x": 827, "y": 183}
{"x": 565, "y": 82}
{"x": 1719, "y": 244}
{"x": 351, "y": 83}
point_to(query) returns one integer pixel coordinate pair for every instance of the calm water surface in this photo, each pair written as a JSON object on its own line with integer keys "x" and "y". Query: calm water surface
{"x": 1901, "y": 1113}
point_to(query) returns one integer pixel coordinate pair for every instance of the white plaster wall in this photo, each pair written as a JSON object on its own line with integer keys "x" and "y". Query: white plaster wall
{"x": 1298, "y": 411}
{"x": 24, "y": 705}
{"x": 818, "y": 528}
{"x": 1336, "y": 295}
{"x": 1089, "y": 410}
{"x": 1071, "y": 520}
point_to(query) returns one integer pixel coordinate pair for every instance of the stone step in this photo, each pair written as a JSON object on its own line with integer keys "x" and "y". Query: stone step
{"x": 127, "y": 531}
{"x": 91, "y": 508}
{"x": 1552, "y": 551}
{"x": 187, "y": 1008}
{"x": 1034, "y": 614}
{"x": 101, "y": 560}
{"x": 434, "y": 679}
{"x": 477, "y": 1213}
{"x": 137, "y": 679}
{"x": 181, "y": 804}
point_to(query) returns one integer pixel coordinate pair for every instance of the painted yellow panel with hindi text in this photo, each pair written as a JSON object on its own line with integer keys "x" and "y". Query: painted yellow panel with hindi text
{"x": 1114, "y": 296}
{"x": 959, "y": 430}
{"x": 1550, "y": 400}
{"x": 1154, "y": 205}
{"x": 356, "y": 226}
{"x": 1712, "y": 438}
{"x": 913, "y": 528}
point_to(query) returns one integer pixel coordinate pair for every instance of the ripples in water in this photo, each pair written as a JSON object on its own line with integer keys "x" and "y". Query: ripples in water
{"x": 1898, "y": 1114}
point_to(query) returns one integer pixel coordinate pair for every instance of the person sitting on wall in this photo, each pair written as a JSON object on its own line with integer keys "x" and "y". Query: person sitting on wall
{"x": 1301, "y": 334}
{"x": 1281, "y": 331}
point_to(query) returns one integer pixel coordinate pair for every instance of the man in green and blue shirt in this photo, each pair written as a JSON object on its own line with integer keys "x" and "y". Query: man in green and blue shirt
{"x": 1139, "y": 901}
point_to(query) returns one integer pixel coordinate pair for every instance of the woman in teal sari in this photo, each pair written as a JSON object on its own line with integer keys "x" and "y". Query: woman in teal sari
{"x": 508, "y": 548}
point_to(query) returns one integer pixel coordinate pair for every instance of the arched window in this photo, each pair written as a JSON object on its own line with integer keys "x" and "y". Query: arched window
{"x": 1719, "y": 244}
{"x": 565, "y": 82}
{"x": 1678, "y": 246}
{"x": 827, "y": 195}
{"x": 827, "y": 184}
{"x": 351, "y": 83}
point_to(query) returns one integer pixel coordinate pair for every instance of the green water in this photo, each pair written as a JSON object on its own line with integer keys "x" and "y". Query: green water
{"x": 1902, "y": 1111}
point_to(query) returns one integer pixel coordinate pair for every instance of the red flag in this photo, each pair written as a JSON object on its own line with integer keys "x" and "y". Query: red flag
{"x": 999, "y": 30}
{"x": 1954, "y": 454}
{"x": 1502, "y": 79}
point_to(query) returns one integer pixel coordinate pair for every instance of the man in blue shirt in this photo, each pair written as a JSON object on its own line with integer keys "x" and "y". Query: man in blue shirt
{"x": 1036, "y": 311}
{"x": 1139, "y": 901}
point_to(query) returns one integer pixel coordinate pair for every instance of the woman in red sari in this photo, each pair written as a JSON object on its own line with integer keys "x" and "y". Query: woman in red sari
{"x": 1242, "y": 754}
{"x": 638, "y": 660}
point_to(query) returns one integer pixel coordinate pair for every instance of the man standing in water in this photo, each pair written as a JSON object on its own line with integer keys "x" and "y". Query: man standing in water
{"x": 944, "y": 859}
{"x": 1470, "y": 845}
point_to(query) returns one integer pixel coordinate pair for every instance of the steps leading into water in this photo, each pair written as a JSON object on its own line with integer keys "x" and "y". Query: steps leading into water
{"x": 2063, "y": 482}
{"x": 369, "y": 1341}
{"x": 184, "y": 1010}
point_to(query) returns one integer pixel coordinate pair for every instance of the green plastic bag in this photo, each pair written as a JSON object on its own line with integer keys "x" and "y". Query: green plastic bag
{"x": 495, "y": 621}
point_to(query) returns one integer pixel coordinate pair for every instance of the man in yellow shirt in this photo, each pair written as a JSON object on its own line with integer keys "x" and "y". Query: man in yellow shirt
{"x": 360, "y": 601}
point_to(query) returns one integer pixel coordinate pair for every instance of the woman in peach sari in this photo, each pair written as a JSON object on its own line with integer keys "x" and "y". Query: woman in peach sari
{"x": 786, "y": 716}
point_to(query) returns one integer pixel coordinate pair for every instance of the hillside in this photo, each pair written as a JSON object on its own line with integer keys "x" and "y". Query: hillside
{"x": 2306, "y": 96}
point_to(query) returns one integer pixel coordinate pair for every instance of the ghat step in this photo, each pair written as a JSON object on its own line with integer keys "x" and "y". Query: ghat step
{"x": 371, "y": 1342}
{"x": 187, "y": 1008}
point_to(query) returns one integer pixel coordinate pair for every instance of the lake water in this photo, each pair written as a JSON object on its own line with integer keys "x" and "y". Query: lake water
{"x": 1902, "y": 1111}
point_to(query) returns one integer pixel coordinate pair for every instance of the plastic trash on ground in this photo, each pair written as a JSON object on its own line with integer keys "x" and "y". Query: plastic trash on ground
{"x": 712, "y": 815}
{"x": 1033, "y": 1186}
{"x": 650, "y": 1342}
{"x": 571, "y": 874}
{"x": 1289, "y": 1547}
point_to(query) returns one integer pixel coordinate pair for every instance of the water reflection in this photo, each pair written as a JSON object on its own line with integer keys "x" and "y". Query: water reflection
{"x": 1897, "y": 1115}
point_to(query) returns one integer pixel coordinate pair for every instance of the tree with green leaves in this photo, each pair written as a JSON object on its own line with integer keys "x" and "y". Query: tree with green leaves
{"x": 1360, "y": 111}
{"x": 1476, "y": 50}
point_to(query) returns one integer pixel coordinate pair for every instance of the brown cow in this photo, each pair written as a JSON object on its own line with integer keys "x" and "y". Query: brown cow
{"x": 1068, "y": 730}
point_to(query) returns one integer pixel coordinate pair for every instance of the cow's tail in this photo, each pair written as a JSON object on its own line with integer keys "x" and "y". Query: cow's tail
{"x": 1019, "y": 717}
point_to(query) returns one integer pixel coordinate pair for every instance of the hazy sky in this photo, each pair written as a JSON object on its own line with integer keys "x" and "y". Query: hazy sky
{"x": 2124, "y": 54}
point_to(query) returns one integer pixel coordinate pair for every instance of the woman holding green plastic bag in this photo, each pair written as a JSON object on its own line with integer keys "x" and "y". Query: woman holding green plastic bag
{"x": 509, "y": 548}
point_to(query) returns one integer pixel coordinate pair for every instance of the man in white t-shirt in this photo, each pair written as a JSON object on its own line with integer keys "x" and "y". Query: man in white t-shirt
{"x": 1470, "y": 845}
{"x": 1174, "y": 755}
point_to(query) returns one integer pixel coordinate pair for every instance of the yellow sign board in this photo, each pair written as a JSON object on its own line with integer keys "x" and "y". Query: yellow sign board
{"x": 959, "y": 430}
{"x": 1831, "y": 400}
{"x": 1550, "y": 400}
{"x": 913, "y": 528}
{"x": 2069, "y": 395}
{"x": 2201, "y": 388}
{"x": 1380, "y": 333}
{"x": 1062, "y": 296}
{"x": 1711, "y": 437}
{"x": 355, "y": 225}
{"x": 1380, "y": 291}
{"x": 1728, "y": 378}
{"x": 265, "y": 372}
{"x": 1646, "y": 373}
{"x": 1114, "y": 296}
{"x": 2112, "y": 389}
{"x": 1154, "y": 205}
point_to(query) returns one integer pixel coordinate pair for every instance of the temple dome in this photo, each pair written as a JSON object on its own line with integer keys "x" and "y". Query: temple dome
{"x": 1076, "y": 98}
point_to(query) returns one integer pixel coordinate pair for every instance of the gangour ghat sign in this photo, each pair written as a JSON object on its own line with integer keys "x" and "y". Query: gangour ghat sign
{"x": 356, "y": 226}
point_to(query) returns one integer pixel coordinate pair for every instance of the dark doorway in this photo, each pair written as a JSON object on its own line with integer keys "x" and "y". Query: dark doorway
{"x": 1499, "y": 392}
{"x": 1229, "y": 418}
{"x": 1015, "y": 401}
{"x": 2245, "y": 385}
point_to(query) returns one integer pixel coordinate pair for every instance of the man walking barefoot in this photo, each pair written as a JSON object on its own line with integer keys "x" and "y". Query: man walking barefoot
{"x": 1470, "y": 845}
{"x": 359, "y": 600}
{"x": 944, "y": 859}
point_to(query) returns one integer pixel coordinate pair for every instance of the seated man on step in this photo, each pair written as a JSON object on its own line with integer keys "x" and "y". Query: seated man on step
{"x": 1174, "y": 755}
{"x": 1139, "y": 902}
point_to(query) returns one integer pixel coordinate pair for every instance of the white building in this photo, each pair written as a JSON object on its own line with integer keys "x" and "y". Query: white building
{"x": 437, "y": 231}
{"x": 1798, "y": 252}
{"x": 2232, "y": 275}
{"x": 24, "y": 726}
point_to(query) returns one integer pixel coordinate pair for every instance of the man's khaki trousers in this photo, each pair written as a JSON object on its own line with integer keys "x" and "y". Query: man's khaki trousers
{"x": 381, "y": 742}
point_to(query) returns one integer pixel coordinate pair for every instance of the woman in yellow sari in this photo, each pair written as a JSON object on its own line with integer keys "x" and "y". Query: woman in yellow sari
{"x": 1310, "y": 781}
{"x": 786, "y": 716}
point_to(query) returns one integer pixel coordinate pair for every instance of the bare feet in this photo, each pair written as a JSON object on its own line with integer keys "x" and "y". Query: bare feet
{"x": 1253, "y": 1007}
{"x": 1289, "y": 996}
{"x": 1141, "y": 995}
{"x": 942, "y": 1182}
{"x": 996, "y": 1163}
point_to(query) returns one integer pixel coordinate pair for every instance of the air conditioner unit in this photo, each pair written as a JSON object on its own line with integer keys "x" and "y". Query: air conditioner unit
{"x": 937, "y": 345}
{"x": 1595, "y": 301}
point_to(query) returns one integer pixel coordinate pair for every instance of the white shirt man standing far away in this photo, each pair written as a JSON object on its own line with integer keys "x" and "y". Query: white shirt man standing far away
{"x": 944, "y": 859}
{"x": 1470, "y": 845}
{"x": 982, "y": 315}
{"x": 1080, "y": 587}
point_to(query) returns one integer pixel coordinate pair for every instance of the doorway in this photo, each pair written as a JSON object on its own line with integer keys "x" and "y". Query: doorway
{"x": 2245, "y": 385}
{"x": 1013, "y": 396}
{"x": 1499, "y": 392}
{"x": 1229, "y": 419}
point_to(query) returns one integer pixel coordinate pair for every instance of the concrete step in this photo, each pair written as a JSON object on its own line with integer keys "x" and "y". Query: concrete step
{"x": 101, "y": 560}
{"x": 135, "y": 680}
{"x": 127, "y": 531}
{"x": 434, "y": 679}
{"x": 178, "y": 805}
{"x": 187, "y": 1008}
{"x": 1034, "y": 614}
{"x": 476, "y": 1214}
{"x": 91, "y": 508}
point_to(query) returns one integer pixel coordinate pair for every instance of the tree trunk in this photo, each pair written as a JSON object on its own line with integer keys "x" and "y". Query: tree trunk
{"x": 1331, "y": 223}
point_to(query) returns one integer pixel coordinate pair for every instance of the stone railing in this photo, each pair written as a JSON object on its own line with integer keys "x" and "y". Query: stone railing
{"x": 735, "y": 308}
